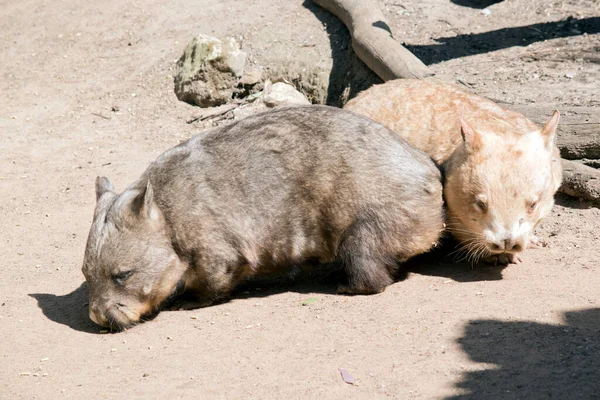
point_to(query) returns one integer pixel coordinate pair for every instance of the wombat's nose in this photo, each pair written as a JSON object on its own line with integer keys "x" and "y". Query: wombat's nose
{"x": 511, "y": 245}
{"x": 508, "y": 244}
{"x": 97, "y": 317}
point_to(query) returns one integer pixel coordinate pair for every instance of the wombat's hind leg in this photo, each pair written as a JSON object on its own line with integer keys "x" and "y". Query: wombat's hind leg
{"x": 368, "y": 270}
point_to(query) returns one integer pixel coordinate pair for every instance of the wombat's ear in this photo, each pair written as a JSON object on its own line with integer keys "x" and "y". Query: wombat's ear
{"x": 103, "y": 185}
{"x": 471, "y": 137}
{"x": 549, "y": 130}
{"x": 144, "y": 202}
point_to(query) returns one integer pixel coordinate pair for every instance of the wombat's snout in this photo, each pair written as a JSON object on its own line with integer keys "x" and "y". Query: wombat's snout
{"x": 97, "y": 316}
{"x": 506, "y": 245}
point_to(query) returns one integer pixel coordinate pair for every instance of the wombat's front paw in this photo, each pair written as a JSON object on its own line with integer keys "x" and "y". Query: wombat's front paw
{"x": 535, "y": 243}
{"x": 502, "y": 259}
{"x": 348, "y": 289}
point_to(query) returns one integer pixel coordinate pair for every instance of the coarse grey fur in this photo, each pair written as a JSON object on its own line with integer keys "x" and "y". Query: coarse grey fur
{"x": 259, "y": 196}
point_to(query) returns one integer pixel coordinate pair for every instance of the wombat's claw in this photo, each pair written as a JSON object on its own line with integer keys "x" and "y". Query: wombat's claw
{"x": 348, "y": 289}
{"x": 503, "y": 259}
{"x": 535, "y": 243}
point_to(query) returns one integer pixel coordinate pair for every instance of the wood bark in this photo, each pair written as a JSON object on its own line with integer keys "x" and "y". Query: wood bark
{"x": 372, "y": 39}
{"x": 581, "y": 181}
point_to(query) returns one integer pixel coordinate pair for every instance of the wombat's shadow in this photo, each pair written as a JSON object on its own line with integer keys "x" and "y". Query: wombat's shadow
{"x": 446, "y": 261}
{"x": 439, "y": 262}
{"x": 70, "y": 309}
{"x": 533, "y": 360}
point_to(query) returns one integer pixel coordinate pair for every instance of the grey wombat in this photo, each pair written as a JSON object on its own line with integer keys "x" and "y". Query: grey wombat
{"x": 257, "y": 196}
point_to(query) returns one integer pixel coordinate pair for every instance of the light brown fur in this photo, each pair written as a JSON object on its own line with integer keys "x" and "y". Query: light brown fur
{"x": 490, "y": 156}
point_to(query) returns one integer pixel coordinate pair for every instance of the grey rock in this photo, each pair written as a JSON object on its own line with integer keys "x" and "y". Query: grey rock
{"x": 209, "y": 71}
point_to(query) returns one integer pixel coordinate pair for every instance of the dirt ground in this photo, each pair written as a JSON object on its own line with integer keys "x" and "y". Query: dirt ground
{"x": 87, "y": 90}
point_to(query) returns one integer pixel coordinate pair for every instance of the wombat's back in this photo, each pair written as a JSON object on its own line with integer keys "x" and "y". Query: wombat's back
{"x": 310, "y": 166}
{"x": 425, "y": 112}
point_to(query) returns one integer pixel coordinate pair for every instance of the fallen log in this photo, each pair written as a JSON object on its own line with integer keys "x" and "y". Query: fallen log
{"x": 372, "y": 39}
{"x": 578, "y": 134}
{"x": 581, "y": 181}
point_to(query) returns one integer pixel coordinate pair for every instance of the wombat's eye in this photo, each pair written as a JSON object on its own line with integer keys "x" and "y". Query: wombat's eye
{"x": 480, "y": 204}
{"x": 532, "y": 205}
{"x": 121, "y": 277}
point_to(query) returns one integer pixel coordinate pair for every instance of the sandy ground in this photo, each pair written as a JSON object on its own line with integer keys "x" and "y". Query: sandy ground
{"x": 446, "y": 331}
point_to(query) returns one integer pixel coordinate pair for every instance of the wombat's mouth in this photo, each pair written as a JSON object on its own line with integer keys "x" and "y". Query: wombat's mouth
{"x": 121, "y": 318}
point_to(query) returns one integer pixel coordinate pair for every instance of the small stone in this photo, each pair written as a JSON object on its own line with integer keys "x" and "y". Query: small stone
{"x": 280, "y": 93}
{"x": 252, "y": 77}
{"x": 486, "y": 11}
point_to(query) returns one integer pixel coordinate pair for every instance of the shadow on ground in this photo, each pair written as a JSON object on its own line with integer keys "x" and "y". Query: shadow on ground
{"x": 573, "y": 202}
{"x": 459, "y": 46}
{"x": 479, "y": 4}
{"x": 349, "y": 75}
{"x": 70, "y": 310}
{"x": 533, "y": 360}
{"x": 446, "y": 262}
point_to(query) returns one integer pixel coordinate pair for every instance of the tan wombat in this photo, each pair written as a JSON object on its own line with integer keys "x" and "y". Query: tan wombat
{"x": 501, "y": 171}
{"x": 263, "y": 194}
